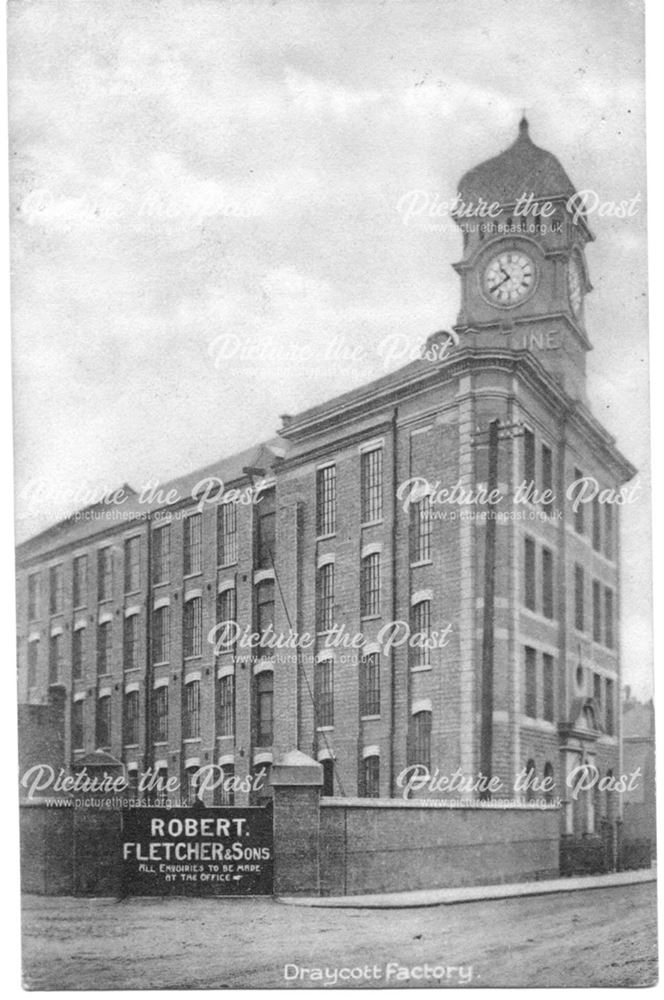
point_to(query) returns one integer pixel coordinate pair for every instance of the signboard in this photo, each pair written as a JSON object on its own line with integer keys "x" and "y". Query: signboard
{"x": 197, "y": 852}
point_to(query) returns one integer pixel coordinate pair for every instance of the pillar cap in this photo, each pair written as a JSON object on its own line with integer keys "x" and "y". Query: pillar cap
{"x": 295, "y": 768}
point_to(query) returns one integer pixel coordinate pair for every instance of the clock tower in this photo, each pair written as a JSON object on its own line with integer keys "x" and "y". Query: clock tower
{"x": 523, "y": 273}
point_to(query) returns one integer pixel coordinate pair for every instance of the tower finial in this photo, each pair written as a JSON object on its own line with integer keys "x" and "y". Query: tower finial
{"x": 523, "y": 124}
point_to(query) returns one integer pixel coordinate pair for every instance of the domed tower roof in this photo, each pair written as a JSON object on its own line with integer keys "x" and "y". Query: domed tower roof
{"x": 524, "y": 168}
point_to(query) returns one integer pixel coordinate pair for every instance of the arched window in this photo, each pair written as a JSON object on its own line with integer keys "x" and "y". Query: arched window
{"x": 548, "y": 773}
{"x": 420, "y": 749}
{"x": 264, "y": 688}
{"x": 421, "y": 626}
{"x": 530, "y": 775}
{"x": 370, "y": 788}
{"x": 370, "y": 585}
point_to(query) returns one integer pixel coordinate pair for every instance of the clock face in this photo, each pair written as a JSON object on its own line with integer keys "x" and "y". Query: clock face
{"x": 574, "y": 285}
{"x": 509, "y": 278}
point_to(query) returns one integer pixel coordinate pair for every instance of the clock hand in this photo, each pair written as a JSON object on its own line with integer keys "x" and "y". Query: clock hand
{"x": 494, "y": 287}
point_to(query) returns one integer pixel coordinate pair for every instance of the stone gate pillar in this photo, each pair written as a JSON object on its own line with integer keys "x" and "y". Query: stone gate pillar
{"x": 297, "y": 781}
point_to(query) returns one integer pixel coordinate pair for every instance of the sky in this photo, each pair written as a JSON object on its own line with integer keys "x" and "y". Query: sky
{"x": 206, "y": 223}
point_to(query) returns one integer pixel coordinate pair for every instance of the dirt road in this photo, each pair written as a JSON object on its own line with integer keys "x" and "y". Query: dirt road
{"x": 603, "y": 937}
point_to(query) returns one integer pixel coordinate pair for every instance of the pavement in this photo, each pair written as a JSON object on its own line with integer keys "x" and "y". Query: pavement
{"x": 474, "y": 893}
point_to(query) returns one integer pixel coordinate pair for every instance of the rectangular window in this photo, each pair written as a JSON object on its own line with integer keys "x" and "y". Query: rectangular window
{"x": 264, "y": 693}
{"x": 266, "y": 528}
{"x": 130, "y": 719}
{"x": 33, "y": 660}
{"x": 597, "y": 526}
{"x": 103, "y": 727}
{"x": 547, "y": 583}
{"x": 530, "y": 686}
{"x": 105, "y": 574}
{"x": 370, "y": 586}
{"x": 529, "y": 582}
{"x": 226, "y": 615}
{"x": 80, "y": 582}
{"x": 226, "y": 706}
{"x": 608, "y": 531}
{"x": 77, "y": 724}
{"x": 77, "y": 653}
{"x": 370, "y": 777}
{"x": 597, "y": 611}
{"x": 578, "y": 514}
{"x": 191, "y": 728}
{"x": 528, "y": 456}
{"x": 608, "y": 618}
{"x": 55, "y": 589}
{"x": 579, "y": 616}
{"x": 223, "y": 792}
{"x": 193, "y": 627}
{"x": 421, "y": 627}
{"x": 547, "y": 468}
{"x": 420, "y": 739}
{"x": 597, "y": 689}
{"x": 132, "y": 565}
{"x": 325, "y": 598}
{"x": 55, "y": 659}
{"x": 420, "y": 530}
{"x": 160, "y": 635}
{"x": 372, "y": 485}
{"x": 33, "y": 597}
{"x": 193, "y": 544}
{"x": 548, "y": 687}
{"x": 326, "y": 500}
{"x": 370, "y": 684}
{"x": 130, "y": 643}
{"x": 160, "y": 717}
{"x": 264, "y": 605}
{"x": 226, "y": 534}
{"x": 104, "y": 648}
{"x": 161, "y": 554}
{"x": 610, "y": 708}
{"x": 324, "y": 693}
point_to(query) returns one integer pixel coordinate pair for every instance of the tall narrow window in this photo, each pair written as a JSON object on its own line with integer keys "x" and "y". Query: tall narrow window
{"x": 579, "y": 616}
{"x": 530, "y": 686}
{"x": 104, "y": 648}
{"x": 531, "y": 774}
{"x": 370, "y": 684}
{"x": 80, "y": 581}
{"x": 608, "y": 531}
{"x": 325, "y": 597}
{"x": 370, "y": 585}
{"x": 226, "y": 534}
{"x": 130, "y": 718}
{"x": 191, "y": 728}
{"x": 421, "y": 628}
{"x": 193, "y": 544}
{"x": 326, "y": 500}
{"x": 77, "y": 724}
{"x": 324, "y": 693}
{"x": 264, "y": 686}
{"x": 372, "y": 485}
{"x": 597, "y": 689}
{"x": 529, "y": 582}
{"x": 328, "y": 777}
{"x": 160, "y": 715}
{"x": 547, "y": 468}
{"x": 33, "y": 597}
{"x": 608, "y": 618}
{"x": 226, "y": 706}
{"x": 161, "y": 554}
{"x": 160, "y": 635}
{"x": 548, "y": 687}
{"x": 223, "y": 792}
{"x": 193, "y": 627}
{"x": 266, "y": 527}
{"x": 528, "y": 456}
{"x": 420, "y": 743}
{"x": 265, "y": 605}
{"x": 55, "y": 659}
{"x": 578, "y": 513}
{"x": 610, "y": 707}
{"x": 548, "y": 774}
{"x": 105, "y": 574}
{"x": 103, "y": 727}
{"x": 77, "y": 653}
{"x": 226, "y": 615}
{"x": 370, "y": 777}
{"x": 597, "y": 611}
{"x": 597, "y": 525}
{"x": 33, "y": 660}
{"x": 547, "y": 583}
{"x": 132, "y": 565}
{"x": 130, "y": 643}
{"x": 420, "y": 530}
{"x": 55, "y": 589}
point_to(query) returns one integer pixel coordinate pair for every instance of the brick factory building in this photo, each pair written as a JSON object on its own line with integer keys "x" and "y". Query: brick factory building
{"x": 121, "y": 608}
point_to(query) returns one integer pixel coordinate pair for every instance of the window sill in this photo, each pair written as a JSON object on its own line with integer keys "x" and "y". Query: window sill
{"x": 160, "y": 583}
{"x": 191, "y": 739}
{"x": 191, "y": 576}
{"x": 160, "y": 743}
{"x": 372, "y": 524}
{"x": 421, "y": 668}
{"x": 421, "y": 562}
{"x": 131, "y": 746}
{"x": 133, "y": 593}
{"x": 79, "y": 607}
{"x": 370, "y": 618}
{"x": 161, "y": 663}
{"x": 369, "y": 718}
{"x": 322, "y": 538}
{"x": 227, "y": 565}
{"x": 324, "y": 729}
{"x": 228, "y": 736}
{"x": 192, "y": 656}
